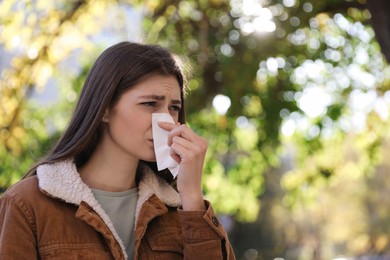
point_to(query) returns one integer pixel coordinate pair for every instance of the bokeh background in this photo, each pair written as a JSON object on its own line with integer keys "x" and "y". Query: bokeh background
{"x": 292, "y": 95}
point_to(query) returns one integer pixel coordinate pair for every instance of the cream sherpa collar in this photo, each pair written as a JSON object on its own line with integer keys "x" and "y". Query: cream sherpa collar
{"x": 61, "y": 180}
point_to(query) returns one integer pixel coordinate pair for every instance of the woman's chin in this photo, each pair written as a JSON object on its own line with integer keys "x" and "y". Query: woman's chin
{"x": 150, "y": 160}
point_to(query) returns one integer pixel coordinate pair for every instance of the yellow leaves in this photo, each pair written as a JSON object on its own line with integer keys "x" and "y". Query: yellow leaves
{"x": 4, "y": 134}
{"x": 291, "y": 180}
{"x": 18, "y": 132}
{"x": 171, "y": 10}
{"x": 55, "y": 53}
{"x": 17, "y": 62}
{"x": 11, "y": 30}
{"x": 5, "y": 8}
{"x": 186, "y": 8}
{"x": 193, "y": 84}
{"x": 158, "y": 25}
{"x": 44, "y": 5}
{"x": 381, "y": 243}
{"x": 359, "y": 244}
{"x": 41, "y": 72}
{"x": 12, "y": 140}
{"x": 32, "y": 53}
{"x": 253, "y": 107}
{"x": 70, "y": 38}
{"x": 10, "y": 105}
{"x": 87, "y": 21}
{"x": 26, "y": 74}
{"x": 14, "y": 143}
{"x": 214, "y": 181}
{"x": 230, "y": 197}
{"x": 50, "y": 23}
{"x": 323, "y": 19}
{"x": 151, "y": 5}
{"x": 247, "y": 138}
{"x": 32, "y": 20}
{"x": 39, "y": 35}
{"x": 350, "y": 171}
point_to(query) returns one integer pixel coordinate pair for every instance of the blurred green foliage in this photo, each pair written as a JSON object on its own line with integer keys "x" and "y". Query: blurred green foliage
{"x": 297, "y": 165}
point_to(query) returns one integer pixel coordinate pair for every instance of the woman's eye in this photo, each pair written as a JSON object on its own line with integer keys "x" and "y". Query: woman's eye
{"x": 175, "y": 108}
{"x": 149, "y": 104}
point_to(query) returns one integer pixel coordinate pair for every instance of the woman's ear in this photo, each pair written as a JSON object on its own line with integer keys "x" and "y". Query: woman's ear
{"x": 105, "y": 116}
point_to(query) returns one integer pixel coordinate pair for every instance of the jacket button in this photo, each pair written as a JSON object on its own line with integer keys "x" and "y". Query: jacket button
{"x": 215, "y": 221}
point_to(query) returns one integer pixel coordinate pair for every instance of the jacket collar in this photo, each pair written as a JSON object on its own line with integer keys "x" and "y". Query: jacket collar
{"x": 61, "y": 180}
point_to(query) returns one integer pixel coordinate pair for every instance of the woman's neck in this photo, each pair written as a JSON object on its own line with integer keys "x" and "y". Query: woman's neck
{"x": 109, "y": 172}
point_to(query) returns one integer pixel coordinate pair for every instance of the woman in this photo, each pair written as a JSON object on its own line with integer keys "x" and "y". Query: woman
{"x": 98, "y": 194}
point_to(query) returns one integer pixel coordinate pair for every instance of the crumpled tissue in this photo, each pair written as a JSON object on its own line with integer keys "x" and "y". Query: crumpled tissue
{"x": 161, "y": 148}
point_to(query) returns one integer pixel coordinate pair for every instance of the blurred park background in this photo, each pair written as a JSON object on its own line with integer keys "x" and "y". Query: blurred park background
{"x": 292, "y": 95}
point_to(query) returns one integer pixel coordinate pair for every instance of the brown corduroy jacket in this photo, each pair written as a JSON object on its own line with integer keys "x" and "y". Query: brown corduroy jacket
{"x": 54, "y": 215}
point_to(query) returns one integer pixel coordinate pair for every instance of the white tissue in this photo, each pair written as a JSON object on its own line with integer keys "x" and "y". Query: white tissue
{"x": 161, "y": 148}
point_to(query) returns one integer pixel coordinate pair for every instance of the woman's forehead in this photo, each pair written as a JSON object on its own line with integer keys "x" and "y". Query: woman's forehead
{"x": 159, "y": 82}
{"x": 156, "y": 86}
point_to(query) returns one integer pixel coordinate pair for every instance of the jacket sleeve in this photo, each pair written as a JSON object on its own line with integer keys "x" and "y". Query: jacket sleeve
{"x": 17, "y": 239}
{"x": 204, "y": 236}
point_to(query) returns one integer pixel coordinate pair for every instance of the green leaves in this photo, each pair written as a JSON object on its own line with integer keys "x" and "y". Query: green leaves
{"x": 308, "y": 86}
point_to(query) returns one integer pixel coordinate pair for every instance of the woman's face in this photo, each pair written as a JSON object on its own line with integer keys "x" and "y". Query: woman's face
{"x": 128, "y": 130}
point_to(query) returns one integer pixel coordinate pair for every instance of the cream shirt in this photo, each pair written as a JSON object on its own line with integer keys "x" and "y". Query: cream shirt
{"x": 120, "y": 207}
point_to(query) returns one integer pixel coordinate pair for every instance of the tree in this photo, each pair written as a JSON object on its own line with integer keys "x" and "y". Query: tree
{"x": 323, "y": 36}
{"x": 37, "y": 33}
{"x": 272, "y": 59}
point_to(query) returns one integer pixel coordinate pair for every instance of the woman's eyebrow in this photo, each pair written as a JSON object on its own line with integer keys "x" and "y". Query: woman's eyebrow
{"x": 159, "y": 98}
{"x": 155, "y": 97}
{"x": 176, "y": 102}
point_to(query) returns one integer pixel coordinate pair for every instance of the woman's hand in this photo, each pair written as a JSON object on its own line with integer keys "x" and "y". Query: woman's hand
{"x": 188, "y": 149}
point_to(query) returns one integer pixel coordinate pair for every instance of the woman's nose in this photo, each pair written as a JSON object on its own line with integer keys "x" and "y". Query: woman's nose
{"x": 164, "y": 109}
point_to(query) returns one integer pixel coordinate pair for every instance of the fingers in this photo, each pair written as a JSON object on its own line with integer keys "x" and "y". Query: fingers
{"x": 188, "y": 149}
{"x": 166, "y": 125}
{"x": 185, "y": 143}
{"x": 178, "y": 130}
{"x": 197, "y": 146}
{"x": 175, "y": 156}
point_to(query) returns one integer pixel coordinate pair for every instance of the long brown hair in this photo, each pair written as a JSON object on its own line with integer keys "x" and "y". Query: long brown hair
{"x": 117, "y": 69}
